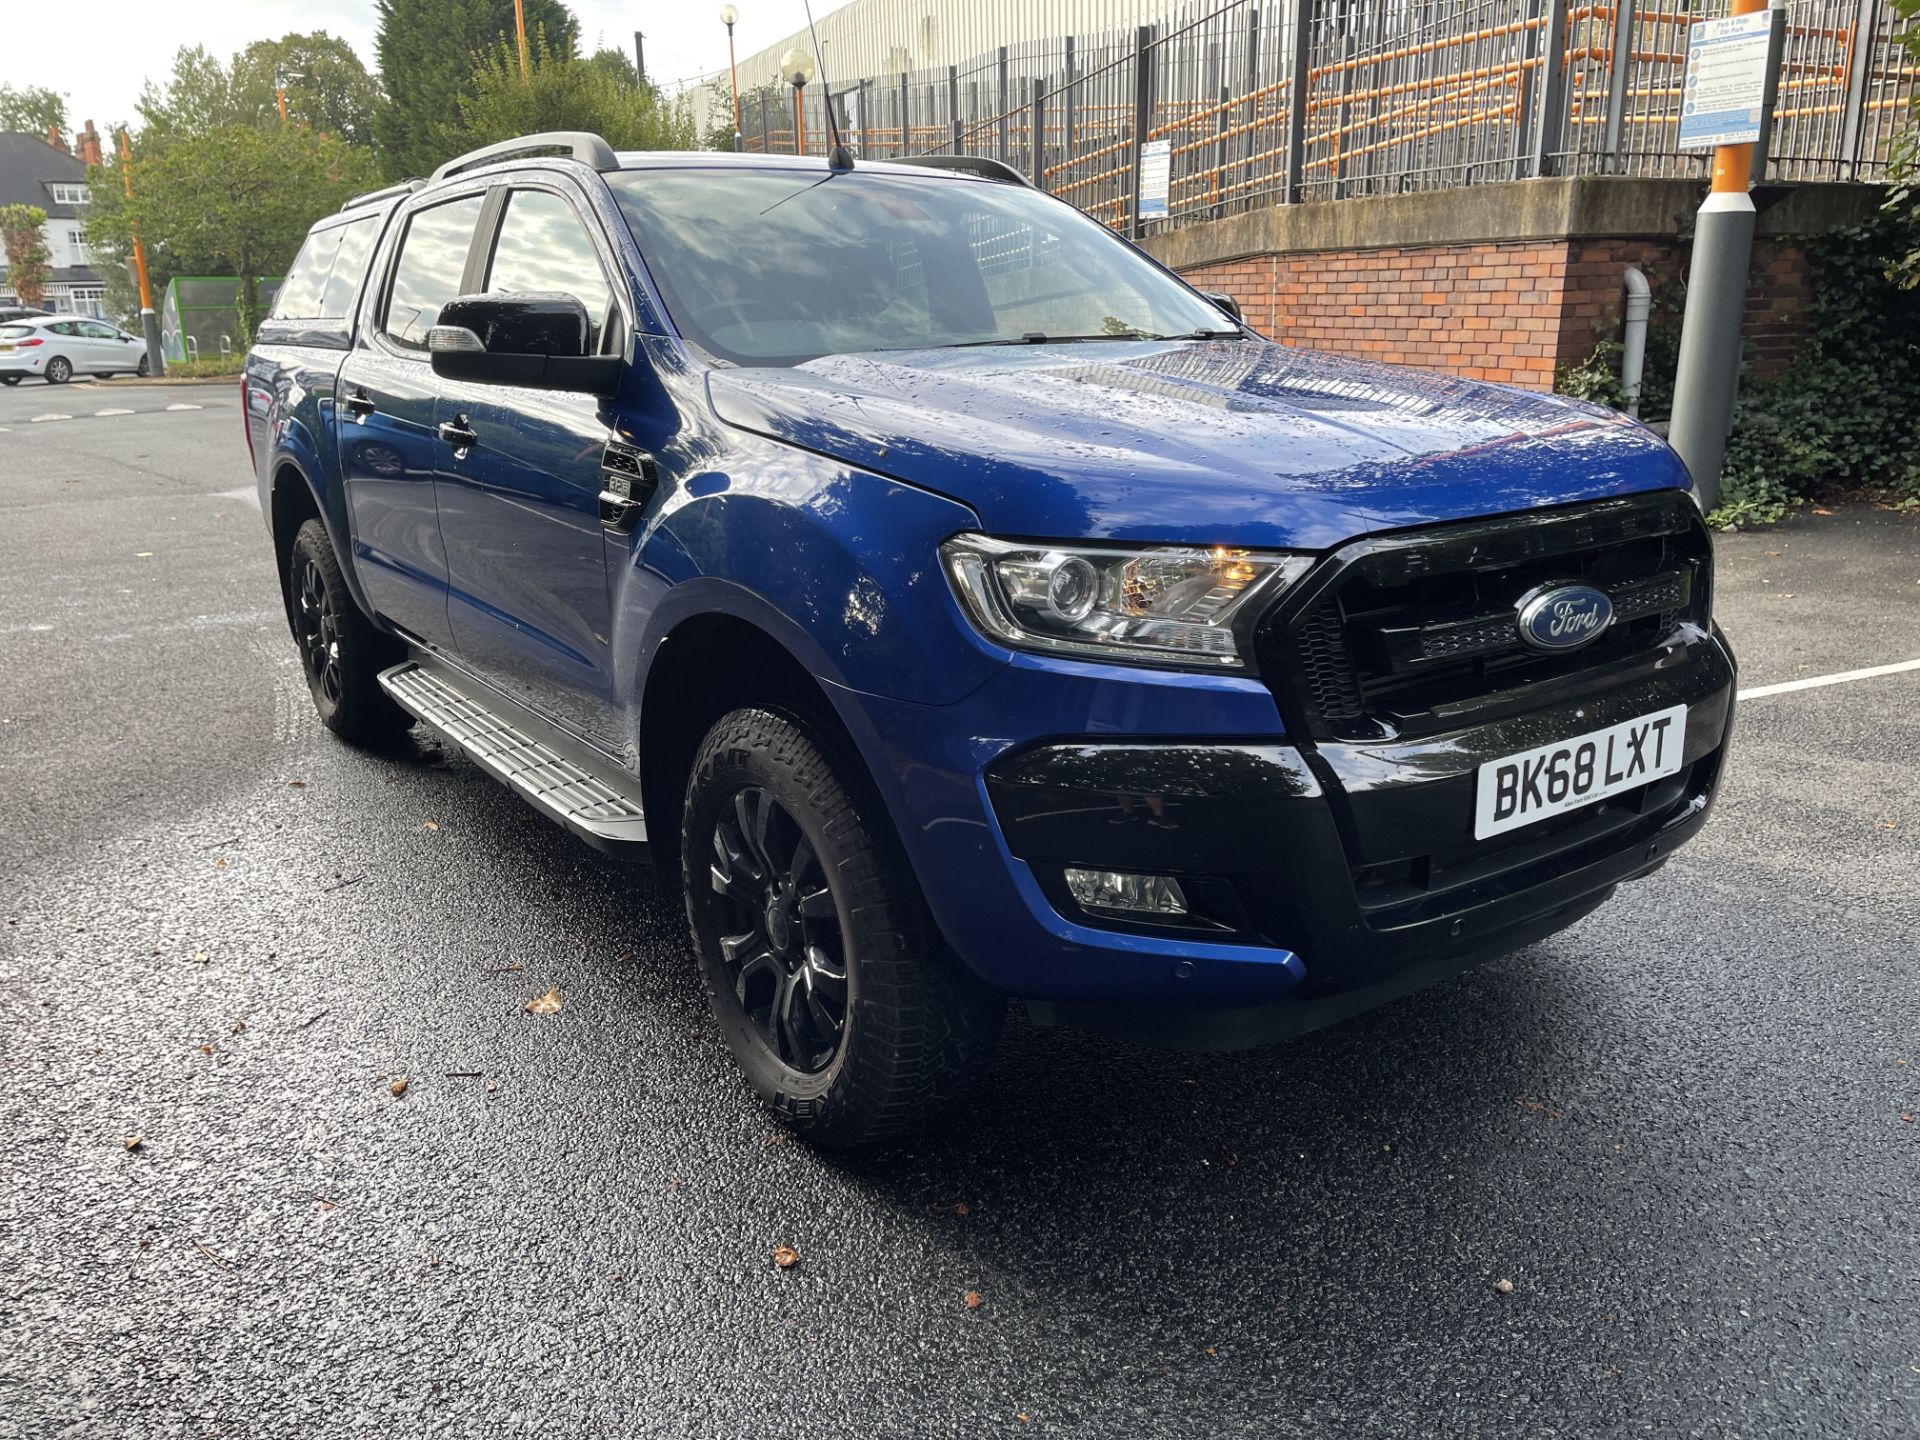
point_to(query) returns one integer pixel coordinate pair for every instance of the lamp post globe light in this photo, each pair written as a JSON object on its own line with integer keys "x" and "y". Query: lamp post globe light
{"x": 797, "y": 69}
{"x": 729, "y": 17}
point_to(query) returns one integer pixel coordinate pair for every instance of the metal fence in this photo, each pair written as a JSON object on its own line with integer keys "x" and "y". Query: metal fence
{"x": 1283, "y": 102}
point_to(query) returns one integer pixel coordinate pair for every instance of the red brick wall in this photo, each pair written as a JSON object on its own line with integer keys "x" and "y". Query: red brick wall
{"x": 1510, "y": 311}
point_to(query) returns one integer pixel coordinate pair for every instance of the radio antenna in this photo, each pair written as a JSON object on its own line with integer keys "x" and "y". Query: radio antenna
{"x": 839, "y": 157}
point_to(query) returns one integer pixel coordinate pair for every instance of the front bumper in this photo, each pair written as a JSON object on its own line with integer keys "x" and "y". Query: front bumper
{"x": 1333, "y": 876}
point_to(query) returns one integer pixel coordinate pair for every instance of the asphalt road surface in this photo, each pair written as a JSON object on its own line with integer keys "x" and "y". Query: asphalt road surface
{"x": 1685, "y": 1131}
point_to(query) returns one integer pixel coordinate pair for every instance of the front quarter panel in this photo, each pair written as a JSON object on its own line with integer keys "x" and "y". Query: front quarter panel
{"x": 839, "y": 565}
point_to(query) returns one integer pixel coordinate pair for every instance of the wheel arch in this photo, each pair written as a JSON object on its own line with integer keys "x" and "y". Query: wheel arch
{"x": 707, "y": 665}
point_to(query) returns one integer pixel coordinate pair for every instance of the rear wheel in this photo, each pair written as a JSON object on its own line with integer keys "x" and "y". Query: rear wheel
{"x": 340, "y": 650}
{"x": 9, "y": 379}
{"x": 59, "y": 370}
{"x": 845, "y": 1011}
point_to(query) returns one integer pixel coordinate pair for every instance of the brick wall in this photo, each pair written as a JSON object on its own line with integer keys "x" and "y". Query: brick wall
{"x": 1509, "y": 311}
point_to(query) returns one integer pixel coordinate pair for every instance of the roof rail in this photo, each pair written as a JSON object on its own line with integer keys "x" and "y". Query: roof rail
{"x": 588, "y": 149}
{"x": 386, "y": 192}
{"x": 981, "y": 165}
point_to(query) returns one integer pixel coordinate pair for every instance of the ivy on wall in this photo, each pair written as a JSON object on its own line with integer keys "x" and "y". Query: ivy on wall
{"x": 1843, "y": 415}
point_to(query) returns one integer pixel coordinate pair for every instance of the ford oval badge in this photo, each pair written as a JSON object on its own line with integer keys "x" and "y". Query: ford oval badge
{"x": 1564, "y": 617}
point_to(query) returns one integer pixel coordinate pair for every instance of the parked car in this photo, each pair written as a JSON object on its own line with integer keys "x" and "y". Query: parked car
{"x": 59, "y": 347}
{"x": 956, "y": 605}
{"x": 18, "y": 312}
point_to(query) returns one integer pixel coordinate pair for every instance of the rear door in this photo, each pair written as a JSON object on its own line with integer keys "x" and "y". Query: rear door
{"x": 519, "y": 506}
{"x": 105, "y": 354}
{"x": 386, "y": 401}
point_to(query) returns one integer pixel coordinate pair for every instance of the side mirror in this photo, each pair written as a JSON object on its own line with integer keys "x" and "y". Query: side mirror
{"x": 536, "y": 340}
{"x": 1225, "y": 302}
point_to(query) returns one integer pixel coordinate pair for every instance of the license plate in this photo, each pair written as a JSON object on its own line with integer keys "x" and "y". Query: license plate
{"x": 5, "y": 349}
{"x": 1554, "y": 779}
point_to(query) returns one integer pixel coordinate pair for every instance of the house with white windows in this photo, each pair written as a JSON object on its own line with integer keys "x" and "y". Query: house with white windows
{"x": 34, "y": 171}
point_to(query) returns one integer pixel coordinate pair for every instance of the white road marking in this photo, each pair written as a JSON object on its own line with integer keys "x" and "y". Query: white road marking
{"x": 113, "y": 412}
{"x": 49, "y": 416}
{"x": 186, "y": 407}
{"x": 1814, "y": 682}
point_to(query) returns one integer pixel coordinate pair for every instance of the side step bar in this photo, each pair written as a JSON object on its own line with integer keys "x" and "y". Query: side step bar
{"x": 559, "y": 778}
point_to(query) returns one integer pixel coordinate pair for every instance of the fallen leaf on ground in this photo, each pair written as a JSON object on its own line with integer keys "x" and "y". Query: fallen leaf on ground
{"x": 238, "y": 1026}
{"x": 398, "y": 1087}
{"x": 207, "y": 1049}
{"x": 324, "y": 1204}
{"x": 430, "y": 826}
{"x": 972, "y": 1300}
{"x": 221, "y": 863}
{"x": 1774, "y": 553}
{"x": 1907, "y": 1116}
{"x": 296, "y": 784}
{"x": 785, "y": 1256}
{"x": 545, "y": 1004}
{"x": 134, "y": 1142}
{"x": 961, "y": 1208}
{"x": 1210, "y": 1350}
{"x": 1505, "y": 1287}
{"x": 1818, "y": 511}
{"x": 1023, "y": 1417}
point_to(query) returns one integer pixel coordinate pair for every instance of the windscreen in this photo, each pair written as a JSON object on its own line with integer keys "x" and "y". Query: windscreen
{"x": 768, "y": 267}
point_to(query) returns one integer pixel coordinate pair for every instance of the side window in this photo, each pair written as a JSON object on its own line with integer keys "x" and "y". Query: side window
{"x": 299, "y": 297}
{"x": 543, "y": 246}
{"x": 432, "y": 258}
{"x": 94, "y": 330}
{"x": 65, "y": 327}
{"x": 349, "y": 267}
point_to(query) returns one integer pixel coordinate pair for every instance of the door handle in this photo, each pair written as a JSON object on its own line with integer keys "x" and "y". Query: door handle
{"x": 457, "y": 434}
{"x": 360, "y": 405}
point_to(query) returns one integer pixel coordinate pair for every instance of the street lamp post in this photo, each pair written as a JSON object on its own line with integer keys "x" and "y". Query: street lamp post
{"x": 729, "y": 16}
{"x": 797, "y": 69}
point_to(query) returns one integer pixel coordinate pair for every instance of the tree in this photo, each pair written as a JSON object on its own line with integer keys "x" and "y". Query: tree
{"x": 32, "y": 109}
{"x": 1903, "y": 165}
{"x": 241, "y": 197}
{"x": 427, "y": 51}
{"x": 617, "y": 65}
{"x": 28, "y": 263}
{"x": 563, "y": 93}
{"x": 327, "y": 89}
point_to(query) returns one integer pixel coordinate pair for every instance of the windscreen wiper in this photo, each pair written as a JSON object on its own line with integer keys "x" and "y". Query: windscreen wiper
{"x": 1040, "y": 337}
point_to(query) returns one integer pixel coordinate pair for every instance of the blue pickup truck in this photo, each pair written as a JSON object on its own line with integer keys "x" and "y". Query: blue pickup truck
{"x": 956, "y": 606}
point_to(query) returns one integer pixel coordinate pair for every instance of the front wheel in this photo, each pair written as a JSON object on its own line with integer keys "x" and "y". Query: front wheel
{"x": 144, "y": 369}
{"x": 835, "y": 994}
{"x": 59, "y": 370}
{"x": 340, "y": 650}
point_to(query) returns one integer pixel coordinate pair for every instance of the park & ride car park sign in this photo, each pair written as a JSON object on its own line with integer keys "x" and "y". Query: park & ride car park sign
{"x": 1726, "y": 81}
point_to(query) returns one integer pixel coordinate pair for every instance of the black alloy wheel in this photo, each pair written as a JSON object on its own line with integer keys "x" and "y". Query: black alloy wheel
{"x": 780, "y": 935}
{"x": 316, "y": 622}
{"x": 144, "y": 368}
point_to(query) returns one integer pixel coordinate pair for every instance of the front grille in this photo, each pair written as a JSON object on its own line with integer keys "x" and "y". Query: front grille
{"x": 1415, "y": 633}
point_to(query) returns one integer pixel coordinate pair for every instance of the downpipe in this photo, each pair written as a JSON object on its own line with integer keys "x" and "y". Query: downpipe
{"x": 1633, "y": 356}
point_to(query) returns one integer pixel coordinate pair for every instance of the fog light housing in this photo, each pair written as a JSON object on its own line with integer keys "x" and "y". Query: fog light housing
{"x": 1124, "y": 892}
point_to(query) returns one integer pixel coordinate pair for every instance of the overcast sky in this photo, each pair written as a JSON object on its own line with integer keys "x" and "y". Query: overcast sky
{"x": 99, "y": 53}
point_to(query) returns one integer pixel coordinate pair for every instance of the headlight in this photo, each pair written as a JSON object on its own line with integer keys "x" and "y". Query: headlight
{"x": 1168, "y": 605}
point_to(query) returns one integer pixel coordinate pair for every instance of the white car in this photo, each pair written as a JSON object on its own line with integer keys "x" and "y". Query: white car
{"x": 59, "y": 347}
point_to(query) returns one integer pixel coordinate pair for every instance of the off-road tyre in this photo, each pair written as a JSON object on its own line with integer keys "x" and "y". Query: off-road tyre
{"x": 341, "y": 652}
{"x": 918, "y": 1030}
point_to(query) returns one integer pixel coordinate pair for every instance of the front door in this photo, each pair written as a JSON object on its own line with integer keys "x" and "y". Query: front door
{"x": 387, "y": 427}
{"x": 519, "y": 504}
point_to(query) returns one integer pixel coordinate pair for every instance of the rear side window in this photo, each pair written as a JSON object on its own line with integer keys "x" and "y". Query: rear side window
{"x": 299, "y": 297}
{"x": 15, "y": 332}
{"x": 433, "y": 257}
{"x": 543, "y": 246}
{"x": 349, "y": 267}
{"x": 327, "y": 272}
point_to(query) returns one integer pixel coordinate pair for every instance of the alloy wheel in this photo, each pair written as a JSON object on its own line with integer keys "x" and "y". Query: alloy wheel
{"x": 780, "y": 935}
{"x": 59, "y": 370}
{"x": 317, "y": 628}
